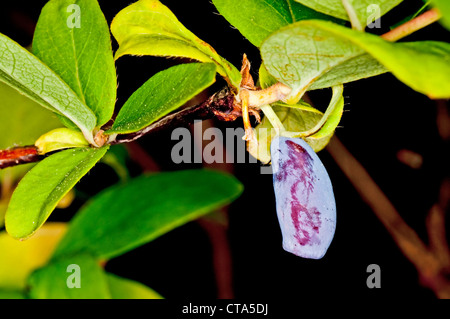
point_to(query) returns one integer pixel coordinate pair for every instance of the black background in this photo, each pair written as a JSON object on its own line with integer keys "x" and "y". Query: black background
{"x": 382, "y": 117}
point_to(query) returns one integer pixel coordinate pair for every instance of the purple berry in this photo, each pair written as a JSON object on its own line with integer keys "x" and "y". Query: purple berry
{"x": 305, "y": 202}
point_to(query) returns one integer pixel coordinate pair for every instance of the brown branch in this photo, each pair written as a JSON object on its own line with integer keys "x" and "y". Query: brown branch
{"x": 218, "y": 230}
{"x": 19, "y": 155}
{"x": 436, "y": 234}
{"x": 220, "y": 105}
{"x": 431, "y": 270}
{"x": 221, "y": 257}
{"x": 406, "y": 238}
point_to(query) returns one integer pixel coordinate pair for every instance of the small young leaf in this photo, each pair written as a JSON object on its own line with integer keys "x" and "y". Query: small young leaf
{"x": 109, "y": 226}
{"x": 147, "y": 27}
{"x": 44, "y": 186}
{"x": 21, "y": 258}
{"x": 79, "y": 51}
{"x": 364, "y": 9}
{"x": 122, "y": 288}
{"x": 299, "y": 54}
{"x": 161, "y": 94}
{"x": 257, "y": 19}
{"x": 27, "y": 74}
{"x": 59, "y": 139}
{"x": 74, "y": 277}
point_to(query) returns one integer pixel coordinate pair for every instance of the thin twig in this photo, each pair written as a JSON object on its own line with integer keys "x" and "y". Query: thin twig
{"x": 220, "y": 105}
{"x": 19, "y": 155}
{"x": 221, "y": 256}
{"x": 406, "y": 238}
{"x": 429, "y": 267}
{"x": 412, "y": 26}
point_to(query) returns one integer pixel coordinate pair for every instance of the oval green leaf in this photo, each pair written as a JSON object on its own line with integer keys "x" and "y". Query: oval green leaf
{"x": 147, "y": 27}
{"x": 301, "y": 53}
{"x": 44, "y": 186}
{"x": 257, "y": 19}
{"x": 72, "y": 38}
{"x": 27, "y": 74}
{"x": 431, "y": 76}
{"x": 59, "y": 279}
{"x": 363, "y": 9}
{"x": 109, "y": 226}
{"x": 161, "y": 94}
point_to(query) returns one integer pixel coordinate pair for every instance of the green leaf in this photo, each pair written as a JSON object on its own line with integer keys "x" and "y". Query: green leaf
{"x": 257, "y": 19}
{"x": 161, "y": 94}
{"x": 360, "y": 67}
{"x": 110, "y": 225}
{"x": 147, "y": 27}
{"x": 81, "y": 56}
{"x": 45, "y": 185}
{"x": 301, "y": 53}
{"x": 12, "y": 294}
{"x": 53, "y": 280}
{"x": 22, "y": 121}
{"x": 315, "y": 47}
{"x": 444, "y": 8}
{"x": 357, "y": 68}
{"x": 21, "y": 258}
{"x": 122, "y": 288}
{"x": 59, "y": 139}
{"x": 401, "y": 59}
{"x": 27, "y": 74}
{"x": 363, "y": 8}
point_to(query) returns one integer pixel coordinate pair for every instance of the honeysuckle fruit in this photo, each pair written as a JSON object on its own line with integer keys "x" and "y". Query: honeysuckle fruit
{"x": 305, "y": 201}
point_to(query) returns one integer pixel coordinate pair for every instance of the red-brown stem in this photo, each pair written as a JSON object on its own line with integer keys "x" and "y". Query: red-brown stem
{"x": 19, "y": 155}
{"x": 217, "y": 234}
{"x": 412, "y": 26}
